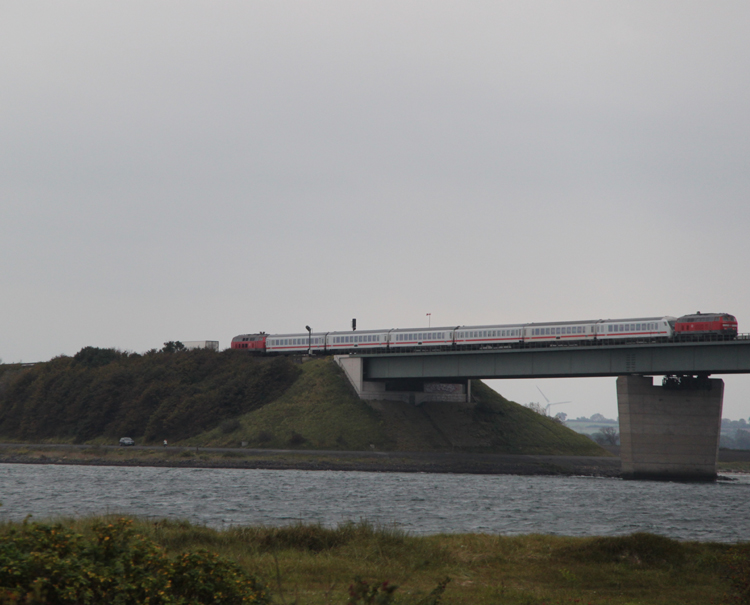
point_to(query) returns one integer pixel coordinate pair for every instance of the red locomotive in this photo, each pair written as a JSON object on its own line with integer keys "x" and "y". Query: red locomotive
{"x": 250, "y": 342}
{"x": 702, "y": 325}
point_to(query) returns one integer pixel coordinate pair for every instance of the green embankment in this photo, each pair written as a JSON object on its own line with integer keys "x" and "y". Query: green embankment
{"x": 102, "y": 561}
{"x": 231, "y": 398}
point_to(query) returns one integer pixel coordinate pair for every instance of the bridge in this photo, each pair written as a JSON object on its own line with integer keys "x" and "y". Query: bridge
{"x": 669, "y": 431}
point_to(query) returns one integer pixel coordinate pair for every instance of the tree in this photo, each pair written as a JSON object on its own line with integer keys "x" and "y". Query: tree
{"x": 607, "y": 435}
{"x": 538, "y": 408}
{"x": 173, "y": 346}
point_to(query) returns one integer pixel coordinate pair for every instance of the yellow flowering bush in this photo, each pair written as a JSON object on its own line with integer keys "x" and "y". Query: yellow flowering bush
{"x": 42, "y": 563}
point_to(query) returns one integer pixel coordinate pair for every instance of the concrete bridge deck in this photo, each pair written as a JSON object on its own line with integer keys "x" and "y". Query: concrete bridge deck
{"x": 721, "y": 357}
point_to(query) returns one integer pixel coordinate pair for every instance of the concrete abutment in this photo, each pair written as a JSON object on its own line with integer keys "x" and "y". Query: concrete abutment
{"x": 669, "y": 433}
{"x": 411, "y": 391}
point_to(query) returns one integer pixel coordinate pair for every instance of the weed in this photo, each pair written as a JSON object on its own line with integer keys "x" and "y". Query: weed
{"x": 737, "y": 563}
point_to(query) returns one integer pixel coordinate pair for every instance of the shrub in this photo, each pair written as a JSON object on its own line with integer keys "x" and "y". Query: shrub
{"x": 362, "y": 592}
{"x": 636, "y": 549}
{"x": 229, "y": 425}
{"x": 296, "y": 439}
{"x": 51, "y": 564}
{"x": 737, "y": 562}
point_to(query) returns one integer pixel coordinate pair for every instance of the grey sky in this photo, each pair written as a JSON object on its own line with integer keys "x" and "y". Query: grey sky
{"x": 195, "y": 170}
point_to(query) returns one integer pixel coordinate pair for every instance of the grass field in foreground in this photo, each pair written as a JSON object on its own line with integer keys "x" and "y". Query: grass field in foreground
{"x": 309, "y": 564}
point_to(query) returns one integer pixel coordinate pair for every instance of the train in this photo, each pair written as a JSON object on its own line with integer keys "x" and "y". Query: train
{"x": 699, "y": 326}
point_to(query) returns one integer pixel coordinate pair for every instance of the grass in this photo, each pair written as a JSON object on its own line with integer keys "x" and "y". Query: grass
{"x": 311, "y": 564}
{"x": 319, "y": 411}
{"x": 733, "y": 467}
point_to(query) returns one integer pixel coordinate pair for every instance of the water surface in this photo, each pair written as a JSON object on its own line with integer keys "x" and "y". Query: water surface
{"x": 421, "y": 503}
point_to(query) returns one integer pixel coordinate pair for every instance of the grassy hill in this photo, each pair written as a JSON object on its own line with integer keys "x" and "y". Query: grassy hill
{"x": 232, "y": 399}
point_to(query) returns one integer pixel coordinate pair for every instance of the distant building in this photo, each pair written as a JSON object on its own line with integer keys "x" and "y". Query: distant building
{"x": 201, "y": 344}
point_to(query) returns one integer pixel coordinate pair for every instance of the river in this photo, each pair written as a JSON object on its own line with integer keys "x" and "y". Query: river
{"x": 420, "y": 503}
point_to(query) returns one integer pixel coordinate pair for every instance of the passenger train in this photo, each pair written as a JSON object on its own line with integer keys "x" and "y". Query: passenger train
{"x": 701, "y": 326}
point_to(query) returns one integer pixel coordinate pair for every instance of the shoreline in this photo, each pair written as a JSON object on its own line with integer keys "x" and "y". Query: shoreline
{"x": 390, "y": 462}
{"x": 730, "y": 461}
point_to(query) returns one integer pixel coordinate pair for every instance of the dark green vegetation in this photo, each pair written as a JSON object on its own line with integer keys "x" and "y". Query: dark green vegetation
{"x": 45, "y": 563}
{"x": 106, "y": 393}
{"x": 206, "y": 398}
{"x": 94, "y": 560}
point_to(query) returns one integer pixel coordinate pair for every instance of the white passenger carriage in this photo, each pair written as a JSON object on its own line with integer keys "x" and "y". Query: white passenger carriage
{"x": 564, "y": 332}
{"x": 361, "y": 340}
{"x": 421, "y": 338}
{"x": 476, "y": 337}
{"x": 641, "y": 328}
{"x": 296, "y": 343}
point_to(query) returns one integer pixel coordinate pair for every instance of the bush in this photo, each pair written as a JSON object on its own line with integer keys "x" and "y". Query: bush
{"x": 94, "y": 357}
{"x": 296, "y": 439}
{"x": 737, "y": 562}
{"x": 229, "y": 425}
{"x": 636, "y": 549}
{"x": 51, "y": 564}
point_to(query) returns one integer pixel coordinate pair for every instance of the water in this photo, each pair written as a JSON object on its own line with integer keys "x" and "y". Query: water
{"x": 418, "y": 502}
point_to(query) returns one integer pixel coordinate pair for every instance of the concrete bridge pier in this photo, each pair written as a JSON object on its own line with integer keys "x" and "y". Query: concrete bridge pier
{"x": 669, "y": 433}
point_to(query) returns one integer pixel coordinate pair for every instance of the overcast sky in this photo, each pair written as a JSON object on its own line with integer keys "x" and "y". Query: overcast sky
{"x": 183, "y": 170}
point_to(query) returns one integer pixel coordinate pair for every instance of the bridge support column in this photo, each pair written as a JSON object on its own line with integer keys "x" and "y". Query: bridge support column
{"x": 669, "y": 433}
